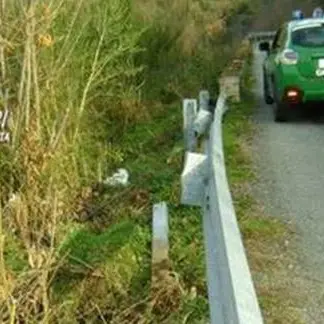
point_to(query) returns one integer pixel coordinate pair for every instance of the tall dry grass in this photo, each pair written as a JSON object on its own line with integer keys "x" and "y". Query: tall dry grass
{"x": 188, "y": 42}
{"x": 60, "y": 62}
{"x": 72, "y": 72}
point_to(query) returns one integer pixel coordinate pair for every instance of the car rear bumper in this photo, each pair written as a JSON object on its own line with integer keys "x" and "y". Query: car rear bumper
{"x": 313, "y": 96}
{"x": 311, "y": 89}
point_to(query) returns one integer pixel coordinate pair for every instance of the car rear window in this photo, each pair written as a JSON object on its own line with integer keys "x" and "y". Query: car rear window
{"x": 309, "y": 36}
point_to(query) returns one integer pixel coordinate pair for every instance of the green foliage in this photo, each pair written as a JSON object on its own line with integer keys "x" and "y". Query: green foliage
{"x": 15, "y": 256}
{"x": 108, "y": 87}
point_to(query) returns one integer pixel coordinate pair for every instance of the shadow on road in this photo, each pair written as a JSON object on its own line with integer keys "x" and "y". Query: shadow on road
{"x": 310, "y": 113}
{"x": 313, "y": 112}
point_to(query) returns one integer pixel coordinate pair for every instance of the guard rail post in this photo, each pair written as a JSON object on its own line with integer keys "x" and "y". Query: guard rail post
{"x": 232, "y": 298}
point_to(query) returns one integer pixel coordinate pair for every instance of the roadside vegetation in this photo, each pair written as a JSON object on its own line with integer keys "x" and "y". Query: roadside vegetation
{"x": 269, "y": 242}
{"x": 92, "y": 86}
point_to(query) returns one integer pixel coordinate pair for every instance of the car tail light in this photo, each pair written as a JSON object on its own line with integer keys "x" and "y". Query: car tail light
{"x": 293, "y": 95}
{"x": 289, "y": 57}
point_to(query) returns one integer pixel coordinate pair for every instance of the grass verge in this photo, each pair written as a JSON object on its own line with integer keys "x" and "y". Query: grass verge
{"x": 265, "y": 238}
{"x": 114, "y": 245}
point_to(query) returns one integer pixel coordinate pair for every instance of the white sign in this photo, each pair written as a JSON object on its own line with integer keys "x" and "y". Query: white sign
{"x": 321, "y": 63}
{"x": 320, "y": 72}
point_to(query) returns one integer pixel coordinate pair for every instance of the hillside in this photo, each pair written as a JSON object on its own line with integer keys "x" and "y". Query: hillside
{"x": 92, "y": 86}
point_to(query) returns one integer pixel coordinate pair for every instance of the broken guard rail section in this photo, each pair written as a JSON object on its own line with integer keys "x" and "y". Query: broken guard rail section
{"x": 231, "y": 293}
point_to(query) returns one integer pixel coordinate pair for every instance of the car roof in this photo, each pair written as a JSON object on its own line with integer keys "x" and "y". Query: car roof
{"x": 304, "y": 23}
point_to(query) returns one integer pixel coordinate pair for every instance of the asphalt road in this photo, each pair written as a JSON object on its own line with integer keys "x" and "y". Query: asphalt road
{"x": 289, "y": 158}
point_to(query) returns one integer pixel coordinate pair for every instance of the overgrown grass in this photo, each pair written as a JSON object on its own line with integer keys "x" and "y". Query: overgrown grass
{"x": 107, "y": 274}
{"x": 92, "y": 86}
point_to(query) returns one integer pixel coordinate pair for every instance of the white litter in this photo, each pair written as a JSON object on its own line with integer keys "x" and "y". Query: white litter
{"x": 119, "y": 178}
{"x": 13, "y": 197}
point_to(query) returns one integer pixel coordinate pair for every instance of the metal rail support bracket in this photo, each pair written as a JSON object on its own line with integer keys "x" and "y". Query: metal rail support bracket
{"x": 193, "y": 179}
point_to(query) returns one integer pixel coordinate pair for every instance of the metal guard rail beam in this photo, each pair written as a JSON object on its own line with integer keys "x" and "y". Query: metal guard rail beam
{"x": 231, "y": 293}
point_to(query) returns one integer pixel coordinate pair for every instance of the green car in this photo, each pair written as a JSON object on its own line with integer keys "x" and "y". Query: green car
{"x": 293, "y": 71}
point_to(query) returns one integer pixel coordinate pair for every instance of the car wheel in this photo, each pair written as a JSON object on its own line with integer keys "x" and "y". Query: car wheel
{"x": 281, "y": 112}
{"x": 267, "y": 98}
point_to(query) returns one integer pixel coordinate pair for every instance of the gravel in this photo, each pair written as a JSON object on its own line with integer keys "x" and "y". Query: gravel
{"x": 289, "y": 159}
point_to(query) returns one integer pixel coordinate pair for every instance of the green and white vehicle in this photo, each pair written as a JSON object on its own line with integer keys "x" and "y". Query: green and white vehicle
{"x": 293, "y": 70}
